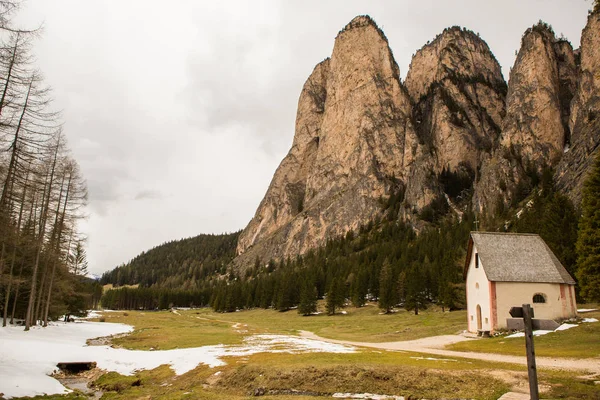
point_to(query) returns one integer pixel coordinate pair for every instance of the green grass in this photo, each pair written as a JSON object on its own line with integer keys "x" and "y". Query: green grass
{"x": 114, "y": 382}
{"x": 191, "y": 328}
{"x": 364, "y": 324}
{"x": 369, "y": 371}
{"x": 568, "y": 386}
{"x": 384, "y": 372}
{"x": 392, "y": 373}
{"x": 164, "y": 330}
{"x": 579, "y": 342}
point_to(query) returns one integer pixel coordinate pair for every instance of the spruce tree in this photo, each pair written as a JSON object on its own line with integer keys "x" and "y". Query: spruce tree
{"x": 559, "y": 229}
{"x": 308, "y": 298}
{"x": 387, "y": 292}
{"x": 415, "y": 293}
{"x": 358, "y": 291}
{"x": 402, "y": 286}
{"x": 284, "y": 293}
{"x": 335, "y": 296}
{"x": 588, "y": 240}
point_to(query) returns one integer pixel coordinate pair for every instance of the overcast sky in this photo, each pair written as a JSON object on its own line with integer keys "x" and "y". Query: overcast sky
{"x": 179, "y": 112}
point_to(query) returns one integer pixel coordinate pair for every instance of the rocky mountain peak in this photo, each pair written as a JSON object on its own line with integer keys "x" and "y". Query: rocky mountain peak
{"x": 541, "y": 86}
{"x": 535, "y": 131}
{"x": 584, "y": 118}
{"x": 455, "y": 134}
{"x": 458, "y": 90}
{"x": 348, "y": 150}
{"x": 360, "y": 21}
{"x": 454, "y": 52}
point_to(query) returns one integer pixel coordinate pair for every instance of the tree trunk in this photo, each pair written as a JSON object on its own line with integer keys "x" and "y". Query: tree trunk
{"x": 17, "y": 289}
{"x": 57, "y": 241}
{"x": 32, "y": 212}
{"x": 14, "y": 253}
{"x": 40, "y": 239}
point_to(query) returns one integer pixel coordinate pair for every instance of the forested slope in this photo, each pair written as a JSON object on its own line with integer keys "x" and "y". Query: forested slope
{"x": 385, "y": 260}
{"x": 183, "y": 264}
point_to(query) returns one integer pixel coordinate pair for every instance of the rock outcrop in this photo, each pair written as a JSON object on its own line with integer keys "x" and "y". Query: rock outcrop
{"x": 353, "y": 121}
{"x": 286, "y": 195}
{"x": 584, "y": 121}
{"x": 458, "y": 90}
{"x": 535, "y": 129}
{"x": 541, "y": 86}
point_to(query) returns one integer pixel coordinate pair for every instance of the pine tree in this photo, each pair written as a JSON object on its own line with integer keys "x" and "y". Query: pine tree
{"x": 559, "y": 229}
{"x": 335, "y": 296}
{"x": 78, "y": 260}
{"x": 588, "y": 240}
{"x": 358, "y": 290}
{"x": 415, "y": 296}
{"x": 402, "y": 286}
{"x": 387, "y": 292}
{"x": 284, "y": 294}
{"x": 308, "y": 298}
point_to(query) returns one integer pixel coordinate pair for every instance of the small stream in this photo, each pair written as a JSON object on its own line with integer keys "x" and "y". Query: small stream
{"x": 80, "y": 383}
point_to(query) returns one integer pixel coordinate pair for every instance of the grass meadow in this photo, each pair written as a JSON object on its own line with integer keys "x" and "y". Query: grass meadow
{"x": 306, "y": 376}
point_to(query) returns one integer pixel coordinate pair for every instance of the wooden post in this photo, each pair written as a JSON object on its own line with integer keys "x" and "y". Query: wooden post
{"x": 531, "y": 368}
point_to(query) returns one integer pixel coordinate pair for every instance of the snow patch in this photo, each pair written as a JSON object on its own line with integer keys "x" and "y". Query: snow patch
{"x": 27, "y": 358}
{"x": 563, "y": 327}
{"x": 535, "y": 333}
{"x": 588, "y": 320}
{"x": 92, "y": 314}
{"x": 584, "y": 310}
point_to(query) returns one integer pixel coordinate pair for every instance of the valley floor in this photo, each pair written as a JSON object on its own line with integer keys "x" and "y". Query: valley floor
{"x": 202, "y": 354}
{"x": 436, "y": 345}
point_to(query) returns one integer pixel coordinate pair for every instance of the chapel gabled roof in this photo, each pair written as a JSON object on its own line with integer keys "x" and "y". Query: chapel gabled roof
{"x": 516, "y": 257}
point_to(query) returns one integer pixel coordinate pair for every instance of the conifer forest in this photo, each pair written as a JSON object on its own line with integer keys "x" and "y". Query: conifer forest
{"x": 43, "y": 263}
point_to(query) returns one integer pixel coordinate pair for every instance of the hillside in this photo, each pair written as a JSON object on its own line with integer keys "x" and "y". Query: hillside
{"x": 183, "y": 264}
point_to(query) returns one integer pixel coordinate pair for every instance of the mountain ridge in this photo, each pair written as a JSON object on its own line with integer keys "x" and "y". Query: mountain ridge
{"x": 454, "y": 131}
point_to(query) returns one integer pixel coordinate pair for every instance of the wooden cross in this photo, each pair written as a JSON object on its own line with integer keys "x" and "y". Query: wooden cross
{"x": 476, "y": 222}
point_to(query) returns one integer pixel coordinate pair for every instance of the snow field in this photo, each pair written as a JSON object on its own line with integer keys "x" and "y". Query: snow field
{"x": 27, "y": 358}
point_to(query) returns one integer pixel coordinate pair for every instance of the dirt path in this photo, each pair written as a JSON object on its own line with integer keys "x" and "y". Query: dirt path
{"x": 435, "y": 345}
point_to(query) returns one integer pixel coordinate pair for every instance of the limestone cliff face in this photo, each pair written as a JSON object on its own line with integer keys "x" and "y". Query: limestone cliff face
{"x": 588, "y": 90}
{"x": 367, "y": 114}
{"x": 535, "y": 129}
{"x": 361, "y": 134}
{"x": 286, "y": 194}
{"x": 458, "y": 90}
{"x": 541, "y": 86}
{"x": 584, "y": 121}
{"x": 348, "y": 151}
